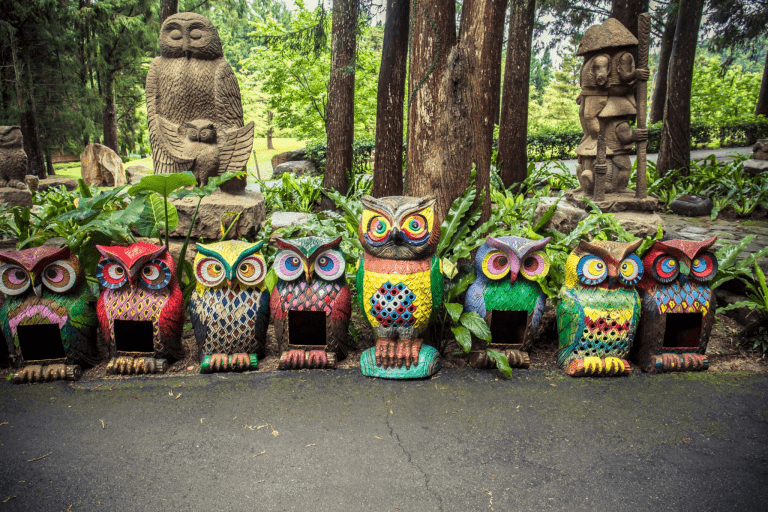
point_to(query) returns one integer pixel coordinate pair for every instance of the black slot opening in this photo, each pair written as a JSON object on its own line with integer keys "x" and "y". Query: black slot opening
{"x": 683, "y": 330}
{"x": 508, "y": 327}
{"x": 134, "y": 336}
{"x": 306, "y": 328}
{"x": 41, "y": 341}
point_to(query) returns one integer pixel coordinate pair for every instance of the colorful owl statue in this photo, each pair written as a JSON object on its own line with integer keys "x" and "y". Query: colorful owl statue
{"x": 48, "y": 318}
{"x": 678, "y": 307}
{"x": 599, "y": 308}
{"x": 399, "y": 284}
{"x": 508, "y": 297}
{"x": 229, "y": 308}
{"x": 311, "y": 303}
{"x": 141, "y": 308}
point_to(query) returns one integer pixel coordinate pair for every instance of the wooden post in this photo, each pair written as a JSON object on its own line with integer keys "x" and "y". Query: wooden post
{"x": 256, "y": 161}
{"x": 600, "y": 168}
{"x": 643, "y": 29}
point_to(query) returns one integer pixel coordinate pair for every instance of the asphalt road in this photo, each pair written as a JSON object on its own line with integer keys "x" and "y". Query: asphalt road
{"x": 339, "y": 441}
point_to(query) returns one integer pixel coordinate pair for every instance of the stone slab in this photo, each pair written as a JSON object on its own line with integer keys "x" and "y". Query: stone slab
{"x": 755, "y": 167}
{"x": 286, "y": 219}
{"x": 15, "y": 196}
{"x": 616, "y": 202}
{"x": 640, "y": 224}
{"x": 297, "y": 168}
{"x": 207, "y": 225}
{"x": 56, "y": 181}
{"x": 566, "y": 218}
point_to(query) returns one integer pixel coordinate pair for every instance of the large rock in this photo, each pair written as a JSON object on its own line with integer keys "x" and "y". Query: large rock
{"x": 566, "y": 217}
{"x": 101, "y": 166}
{"x": 56, "y": 182}
{"x": 615, "y": 202}
{"x": 760, "y": 150}
{"x": 640, "y": 224}
{"x": 289, "y": 156}
{"x": 297, "y": 168}
{"x": 134, "y": 173}
{"x": 15, "y": 196}
{"x": 250, "y": 205}
{"x": 692, "y": 206}
{"x": 755, "y": 167}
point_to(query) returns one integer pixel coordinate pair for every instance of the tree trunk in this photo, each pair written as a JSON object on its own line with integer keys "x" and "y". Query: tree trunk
{"x": 762, "y": 100}
{"x": 168, "y": 8}
{"x": 340, "y": 125}
{"x": 49, "y": 164}
{"x": 513, "y": 126}
{"x": 675, "y": 152}
{"x": 30, "y": 129}
{"x": 109, "y": 118}
{"x": 660, "y": 84}
{"x": 433, "y": 26}
{"x": 388, "y": 163}
{"x": 271, "y": 130}
{"x": 627, "y": 12}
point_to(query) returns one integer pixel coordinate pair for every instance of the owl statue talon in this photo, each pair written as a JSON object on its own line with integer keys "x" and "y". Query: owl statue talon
{"x": 408, "y": 353}
{"x": 295, "y": 359}
{"x": 317, "y": 359}
{"x": 385, "y": 352}
{"x": 240, "y": 362}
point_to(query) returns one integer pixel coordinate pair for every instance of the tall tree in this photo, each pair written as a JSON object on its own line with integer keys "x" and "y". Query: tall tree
{"x": 340, "y": 124}
{"x": 168, "y": 8}
{"x": 627, "y": 12}
{"x": 388, "y": 163}
{"x": 675, "y": 152}
{"x": 662, "y": 69}
{"x": 761, "y": 109}
{"x": 513, "y": 126}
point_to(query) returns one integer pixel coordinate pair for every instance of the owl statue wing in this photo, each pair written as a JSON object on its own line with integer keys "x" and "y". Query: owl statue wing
{"x": 168, "y": 148}
{"x": 235, "y": 148}
{"x": 201, "y": 329}
{"x": 228, "y": 105}
{"x": 570, "y": 320}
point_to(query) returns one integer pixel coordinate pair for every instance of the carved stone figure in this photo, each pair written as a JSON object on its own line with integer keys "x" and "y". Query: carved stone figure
{"x": 678, "y": 306}
{"x": 399, "y": 284}
{"x": 48, "y": 317}
{"x": 607, "y": 104}
{"x": 189, "y": 86}
{"x": 13, "y": 159}
{"x": 599, "y": 308}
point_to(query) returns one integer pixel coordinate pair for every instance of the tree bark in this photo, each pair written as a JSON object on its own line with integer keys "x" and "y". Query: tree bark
{"x": 513, "y": 125}
{"x": 762, "y": 100}
{"x": 627, "y": 11}
{"x": 271, "y": 130}
{"x": 433, "y": 27}
{"x": 49, "y": 164}
{"x": 109, "y": 117}
{"x": 660, "y": 84}
{"x": 168, "y": 8}
{"x": 675, "y": 152}
{"x": 30, "y": 128}
{"x": 388, "y": 159}
{"x": 340, "y": 125}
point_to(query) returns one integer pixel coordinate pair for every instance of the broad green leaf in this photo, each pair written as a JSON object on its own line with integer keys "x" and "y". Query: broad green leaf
{"x": 455, "y": 310}
{"x": 472, "y": 321}
{"x": 459, "y": 287}
{"x": 152, "y": 219}
{"x": 727, "y": 254}
{"x": 738, "y": 305}
{"x": 463, "y": 337}
{"x": 209, "y": 188}
{"x": 449, "y": 269}
{"x": 549, "y": 213}
{"x": 453, "y": 220}
{"x": 271, "y": 279}
{"x": 502, "y": 363}
{"x": 164, "y": 184}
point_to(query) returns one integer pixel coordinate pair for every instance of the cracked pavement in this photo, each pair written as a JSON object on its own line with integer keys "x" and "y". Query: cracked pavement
{"x": 335, "y": 440}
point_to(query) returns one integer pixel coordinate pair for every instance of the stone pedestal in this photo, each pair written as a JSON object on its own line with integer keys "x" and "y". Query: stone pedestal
{"x": 15, "y": 196}
{"x": 212, "y": 210}
{"x": 57, "y": 181}
{"x": 616, "y": 202}
{"x": 640, "y": 224}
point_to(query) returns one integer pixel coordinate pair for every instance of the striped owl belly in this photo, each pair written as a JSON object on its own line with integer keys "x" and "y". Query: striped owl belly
{"x": 398, "y": 293}
{"x": 610, "y": 321}
{"x": 231, "y": 316}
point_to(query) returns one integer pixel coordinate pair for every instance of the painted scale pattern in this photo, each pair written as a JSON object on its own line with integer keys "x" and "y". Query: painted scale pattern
{"x": 73, "y": 312}
{"x": 393, "y": 305}
{"x": 237, "y": 320}
{"x": 689, "y": 298}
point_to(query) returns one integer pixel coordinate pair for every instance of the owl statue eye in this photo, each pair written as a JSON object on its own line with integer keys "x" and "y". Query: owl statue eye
{"x": 631, "y": 270}
{"x": 176, "y": 34}
{"x": 704, "y": 267}
{"x": 195, "y": 33}
{"x": 535, "y": 264}
{"x": 155, "y": 275}
{"x": 378, "y": 230}
{"x": 665, "y": 268}
{"x": 210, "y": 272}
{"x": 251, "y": 270}
{"x": 495, "y": 265}
{"x": 330, "y": 265}
{"x": 111, "y": 274}
{"x": 60, "y": 276}
{"x": 13, "y": 279}
{"x": 415, "y": 229}
{"x": 288, "y": 265}
{"x": 591, "y": 270}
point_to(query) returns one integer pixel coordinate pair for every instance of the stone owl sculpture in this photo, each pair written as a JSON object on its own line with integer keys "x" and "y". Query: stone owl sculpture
{"x": 13, "y": 159}
{"x": 229, "y": 308}
{"x": 310, "y": 303}
{"x": 506, "y": 294}
{"x": 399, "y": 284}
{"x": 191, "y": 82}
{"x": 48, "y": 318}
{"x": 678, "y": 306}
{"x": 140, "y": 308}
{"x": 599, "y": 308}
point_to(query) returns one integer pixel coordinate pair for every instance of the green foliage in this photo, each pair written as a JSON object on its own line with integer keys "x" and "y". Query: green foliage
{"x": 757, "y": 300}
{"x": 722, "y": 95}
{"x": 298, "y": 195}
{"x": 729, "y": 267}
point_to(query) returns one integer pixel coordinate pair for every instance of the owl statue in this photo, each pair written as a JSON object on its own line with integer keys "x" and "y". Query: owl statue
{"x": 189, "y": 81}
{"x": 229, "y": 308}
{"x": 140, "y": 309}
{"x": 599, "y": 308}
{"x": 508, "y": 297}
{"x": 310, "y": 303}
{"x": 48, "y": 318}
{"x": 399, "y": 284}
{"x": 678, "y": 307}
{"x": 13, "y": 159}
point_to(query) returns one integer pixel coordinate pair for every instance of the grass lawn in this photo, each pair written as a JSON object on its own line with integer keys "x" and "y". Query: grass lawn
{"x": 264, "y": 155}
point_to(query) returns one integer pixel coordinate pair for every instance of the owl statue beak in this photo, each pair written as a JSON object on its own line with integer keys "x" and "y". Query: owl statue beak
{"x": 611, "y": 282}
{"x": 37, "y": 284}
{"x": 398, "y": 237}
{"x": 683, "y": 278}
{"x": 512, "y": 277}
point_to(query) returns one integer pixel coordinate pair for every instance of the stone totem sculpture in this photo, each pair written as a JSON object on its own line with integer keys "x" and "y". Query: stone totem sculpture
{"x": 606, "y": 105}
{"x": 13, "y": 158}
{"x": 193, "y": 104}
